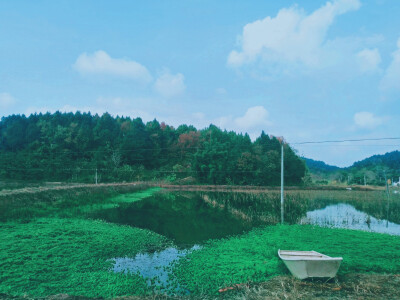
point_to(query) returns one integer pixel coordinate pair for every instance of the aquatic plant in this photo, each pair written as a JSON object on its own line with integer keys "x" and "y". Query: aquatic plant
{"x": 48, "y": 246}
{"x": 252, "y": 257}
{"x": 71, "y": 256}
{"x": 74, "y": 202}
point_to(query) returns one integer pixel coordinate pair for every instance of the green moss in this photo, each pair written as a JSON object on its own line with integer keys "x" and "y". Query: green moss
{"x": 133, "y": 197}
{"x": 253, "y": 256}
{"x": 73, "y": 203}
{"x": 112, "y": 202}
{"x": 51, "y": 256}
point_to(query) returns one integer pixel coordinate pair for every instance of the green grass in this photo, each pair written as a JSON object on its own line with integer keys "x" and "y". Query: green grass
{"x": 73, "y": 203}
{"x": 51, "y": 256}
{"x": 133, "y": 197}
{"x": 47, "y": 247}
{"x": 253, "y": 256}
{"x": 110, "y": 202}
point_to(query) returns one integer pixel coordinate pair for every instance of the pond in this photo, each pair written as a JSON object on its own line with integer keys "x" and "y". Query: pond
{"x": 346, "y": 216}
{"x": 183, "y": 217}
{"x": 191, "y": 218}
{"x": 154, "y": 267}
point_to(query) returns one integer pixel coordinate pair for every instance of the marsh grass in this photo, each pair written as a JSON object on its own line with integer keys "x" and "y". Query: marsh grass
{"x": 252, "y": 257}
{"x": 51, "y": 256}
{"x": 74, "y": 202}
{"x": 48, "y": 246}
{"x": 263, "y": 208}
{"x": 349, "y": 286}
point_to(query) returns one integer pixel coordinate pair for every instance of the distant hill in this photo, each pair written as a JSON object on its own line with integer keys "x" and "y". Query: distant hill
{"x": 372, "y": 169}
{"x": 376, "y": 167}
{"x": 319, "y": 166}
{"x": 390, "y": 160}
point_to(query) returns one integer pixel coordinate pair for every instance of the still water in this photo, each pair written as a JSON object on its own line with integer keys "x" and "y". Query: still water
{"x": 151, "y": 265}
{"x": 191, "y": 218}
{"x": 346, "y": 216}
{"x": 185, "y": 218}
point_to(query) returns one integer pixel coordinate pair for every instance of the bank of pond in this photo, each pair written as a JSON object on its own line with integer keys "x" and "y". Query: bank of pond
{"x": 111, "y": 242}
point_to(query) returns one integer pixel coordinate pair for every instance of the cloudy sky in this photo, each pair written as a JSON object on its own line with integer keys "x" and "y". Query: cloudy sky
{"x": 306, "y": 70}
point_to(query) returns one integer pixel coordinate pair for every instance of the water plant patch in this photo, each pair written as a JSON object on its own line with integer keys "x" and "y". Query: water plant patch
{"x": 252, "y": 257}
{"x": 72, "y": 256}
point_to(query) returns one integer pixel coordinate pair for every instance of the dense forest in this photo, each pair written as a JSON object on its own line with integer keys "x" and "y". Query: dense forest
{"x": 372, "y": 170}
{"x": 74, "y": 147}
{"x": 317, "y": 166}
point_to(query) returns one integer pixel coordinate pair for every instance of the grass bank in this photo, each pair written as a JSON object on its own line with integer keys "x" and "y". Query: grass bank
{"x": 47, "y": 246}
{"x": 252, "y": 257}
{"x": 73, "y": 202}
{"x": 71, "y": 256}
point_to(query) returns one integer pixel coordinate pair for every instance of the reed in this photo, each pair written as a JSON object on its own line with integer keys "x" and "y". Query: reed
{"x": 74, "y": 202}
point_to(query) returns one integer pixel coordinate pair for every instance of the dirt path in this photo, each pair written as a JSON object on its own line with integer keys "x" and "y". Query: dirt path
{"x": 31, "y": 190}
{"x": 176, "y": 187}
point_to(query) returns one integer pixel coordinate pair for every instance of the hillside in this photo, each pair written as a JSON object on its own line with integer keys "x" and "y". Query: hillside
{"x": 373, "y": 168}
{"x": 81, "y": 147}
{"x": 317, "y": 166}
{"x": 390, "y": 160}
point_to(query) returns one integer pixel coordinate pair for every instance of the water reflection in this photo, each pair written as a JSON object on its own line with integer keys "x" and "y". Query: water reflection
{"x": 184, "y": 218}
{"x": 154, "y": 267}
{"x": 346, "y": 216}
{"x": 190, "y": 218}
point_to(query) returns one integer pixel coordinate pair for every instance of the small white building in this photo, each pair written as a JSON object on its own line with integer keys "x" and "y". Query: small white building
{"x": 396, "y": 183}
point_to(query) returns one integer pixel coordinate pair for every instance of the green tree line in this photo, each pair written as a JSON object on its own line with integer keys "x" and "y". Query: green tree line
{"x": 374, "y": 170}
{"x": 71, "y": 146}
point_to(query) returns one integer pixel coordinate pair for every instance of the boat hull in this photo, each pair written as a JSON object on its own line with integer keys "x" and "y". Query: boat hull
{"x": 305, "y": 264}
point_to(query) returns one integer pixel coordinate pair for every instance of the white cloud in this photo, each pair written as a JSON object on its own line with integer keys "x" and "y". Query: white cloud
{"x": 199, "y": 115}
{"x": 101, "y": 63}
{"x": 221, "y": 91}
{"x": 6, "y": 100}
{"x": 368, "y": 59}
{"x": 124, "y": 107}
{"x": 169, "y": 85}
{"x": 391, "y": 79}
{"x": 256, "y": 116}
{"x": 291, "y": 36}
{"x": 115, "y": 102}
{"x": 367, "y": 120}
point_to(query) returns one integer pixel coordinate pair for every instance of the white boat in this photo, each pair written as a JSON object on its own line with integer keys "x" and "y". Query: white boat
{"x": 304, "y": 264}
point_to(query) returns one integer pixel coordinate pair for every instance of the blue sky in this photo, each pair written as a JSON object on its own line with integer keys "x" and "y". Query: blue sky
{"x": 305, "y": 70}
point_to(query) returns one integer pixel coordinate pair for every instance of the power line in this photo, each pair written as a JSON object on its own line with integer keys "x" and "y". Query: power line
{"x": 342, "y": 141}
{"x": 183, "y": 149}
{"x": 353, "y": 145}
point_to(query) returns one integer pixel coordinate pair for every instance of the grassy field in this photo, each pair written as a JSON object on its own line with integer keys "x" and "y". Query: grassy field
{"x": 51, "y": 256}
{"x": 252, "y": 257}
{"x": 49, "y": 246}
{"x": 71, "y": 203}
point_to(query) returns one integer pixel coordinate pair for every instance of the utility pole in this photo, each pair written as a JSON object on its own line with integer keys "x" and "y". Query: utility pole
{"x": 282, "y": 200}
{"x": 365, "y": 181}
{"x": 388, "y": 198}
{"x": 96, "y": 176}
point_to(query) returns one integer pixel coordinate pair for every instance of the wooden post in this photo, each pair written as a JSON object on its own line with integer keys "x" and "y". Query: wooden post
{"x": 282, "y": 198}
